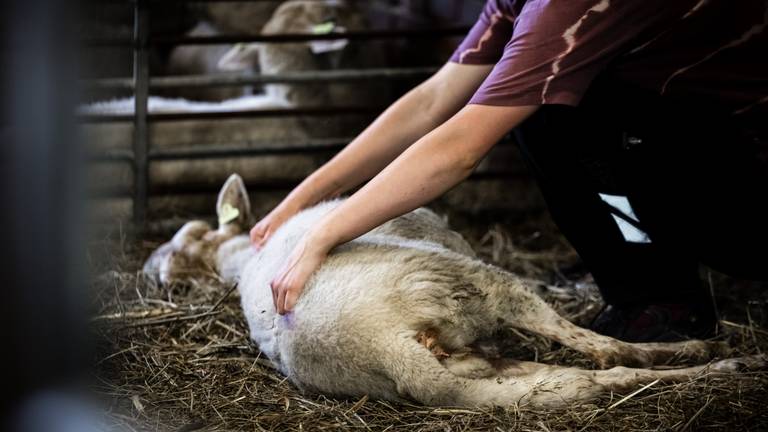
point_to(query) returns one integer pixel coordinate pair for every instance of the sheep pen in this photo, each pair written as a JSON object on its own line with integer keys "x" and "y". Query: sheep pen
{"x": 180, "y": 358}
{"x": 597, "y": 165}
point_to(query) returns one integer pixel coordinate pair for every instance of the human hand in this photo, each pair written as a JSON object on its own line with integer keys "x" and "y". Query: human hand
{"x": 263, "y": 230}
{"x": 289, "y": 282}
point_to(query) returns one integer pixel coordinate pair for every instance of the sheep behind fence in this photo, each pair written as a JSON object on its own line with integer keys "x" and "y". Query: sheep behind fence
{"x": 195, "y": 178}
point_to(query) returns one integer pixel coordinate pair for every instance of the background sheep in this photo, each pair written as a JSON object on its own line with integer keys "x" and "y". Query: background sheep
{"x": 241, "y": 17}
{"x": 307, "y": 16}
{"x": 296, "y": 16}
{"x": 201, "y": 60}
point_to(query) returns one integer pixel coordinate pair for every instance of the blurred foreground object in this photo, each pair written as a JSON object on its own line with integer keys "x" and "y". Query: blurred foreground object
{"x": 42, "y": 276}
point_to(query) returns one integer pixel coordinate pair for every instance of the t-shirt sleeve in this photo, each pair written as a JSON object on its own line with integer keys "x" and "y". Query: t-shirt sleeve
{"x": 485, "y": 42}
{"x": 556, "y": 50}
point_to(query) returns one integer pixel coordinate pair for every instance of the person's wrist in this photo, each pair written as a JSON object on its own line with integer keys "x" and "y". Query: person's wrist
{"x": 302, "y": 197}
{"x": 322, "y": 238}
{"x": 291, "y": 205}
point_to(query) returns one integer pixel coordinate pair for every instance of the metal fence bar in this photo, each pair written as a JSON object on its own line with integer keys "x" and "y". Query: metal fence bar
{"x": 214, "y": 152}
{"x": 306, "y": 37}
{"x": 239, "y": 1}
{"x": 217, "y": 151}
{"x": 130, "y": 2}
{"x": 220, "y": 115}
{"x": 339, "y": 75}
{"x": 424, "y": 33}
{"x": 192, "y": 188}
{"x": 287, "y": 184}
{"x": 140, "y": 129}
{"x": 112, "y": 156}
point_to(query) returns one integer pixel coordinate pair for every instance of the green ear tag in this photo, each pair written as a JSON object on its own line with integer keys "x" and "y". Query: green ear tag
{"x": 323, "y": 28}
{"x": 227, "y": 214}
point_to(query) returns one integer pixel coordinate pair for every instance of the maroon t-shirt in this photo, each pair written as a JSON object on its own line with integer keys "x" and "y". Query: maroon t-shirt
{"x": 549, "y": 51}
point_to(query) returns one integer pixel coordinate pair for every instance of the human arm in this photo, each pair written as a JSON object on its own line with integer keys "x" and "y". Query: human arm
{"x": 428, "y": 168}
{"x": 412, "y": 116}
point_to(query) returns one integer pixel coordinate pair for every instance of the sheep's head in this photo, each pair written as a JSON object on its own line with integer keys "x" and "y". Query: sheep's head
{"x": 191, "y": 254}
{"x": 304, "y": 16}
{"x": 296, "y": 16}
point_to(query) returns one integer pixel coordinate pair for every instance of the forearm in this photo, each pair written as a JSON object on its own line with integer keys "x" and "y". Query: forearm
{"x": 430, "y": 167}
{"x": 411, "y": 117}
{"x": 400, "y": 125}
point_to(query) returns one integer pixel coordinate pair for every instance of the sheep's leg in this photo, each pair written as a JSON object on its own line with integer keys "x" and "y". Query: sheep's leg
{"x": 516, "y": 306}
{"x": 469, "y": 365}
{"x": 607, "y": 351}
{"x": 418, "y": 375}
{"x": 552, "y": 386}
{"x": 485, "y": 298}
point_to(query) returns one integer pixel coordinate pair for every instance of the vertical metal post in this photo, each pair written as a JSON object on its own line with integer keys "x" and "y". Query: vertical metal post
{"x": 140, "y": 127}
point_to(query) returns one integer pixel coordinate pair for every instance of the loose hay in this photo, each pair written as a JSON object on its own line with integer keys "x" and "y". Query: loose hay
{"x": 179, "y": 359}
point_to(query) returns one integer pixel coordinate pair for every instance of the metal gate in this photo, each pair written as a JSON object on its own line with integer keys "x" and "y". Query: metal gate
{"x": 142, "y": 82}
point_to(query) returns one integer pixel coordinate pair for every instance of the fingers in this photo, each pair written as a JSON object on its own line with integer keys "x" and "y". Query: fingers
{"x": 291, "y": 296}
{"x": 273, "y": 287}
{"x": 280, "y": 286}
{"x": 286, "y": 288}
{"x": 259, "y": 235}
{"x": 281, "y": 300}
{"x": 284, "y": 295}
{"x": 257, "y": 232}
{"x": 260, "y": 244}
{"x": 291, "y": 279}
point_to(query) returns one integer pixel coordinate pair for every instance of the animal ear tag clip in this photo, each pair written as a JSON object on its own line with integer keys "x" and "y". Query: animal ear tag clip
{"x": 325, "y": 46}
{"x": 324, "y": 28}
{"x": 228, "y": 214}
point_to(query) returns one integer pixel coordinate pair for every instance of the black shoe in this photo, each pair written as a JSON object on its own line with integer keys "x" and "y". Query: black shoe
{"x": 656, "y": 323}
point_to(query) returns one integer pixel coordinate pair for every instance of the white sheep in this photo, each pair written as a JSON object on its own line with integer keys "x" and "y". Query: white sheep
{"x": 296, "y": 16}
{"x": 308, "y": 17}
{"x": 241, "y": 17}
{"x": 201, "y": 60}
{"x": 393, "y": 315}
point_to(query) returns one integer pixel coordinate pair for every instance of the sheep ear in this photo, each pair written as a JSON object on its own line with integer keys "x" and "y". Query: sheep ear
{"x": 240, "y": 57}
{"x": 233, "y": 206}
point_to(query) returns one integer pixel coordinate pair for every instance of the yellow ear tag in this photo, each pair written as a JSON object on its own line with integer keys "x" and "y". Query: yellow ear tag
{"x": 323, "y": 28}
{"x": 227, "y": 214}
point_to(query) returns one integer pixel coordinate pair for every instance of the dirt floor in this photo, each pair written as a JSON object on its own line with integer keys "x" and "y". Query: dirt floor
{"x": 179, "y": 358}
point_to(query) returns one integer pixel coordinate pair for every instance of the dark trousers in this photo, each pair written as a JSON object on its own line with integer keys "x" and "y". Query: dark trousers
{"x": 695, "y": 185}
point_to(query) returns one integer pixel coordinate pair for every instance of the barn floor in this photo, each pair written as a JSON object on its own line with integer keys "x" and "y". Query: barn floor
{"x": 179, "y": 359}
